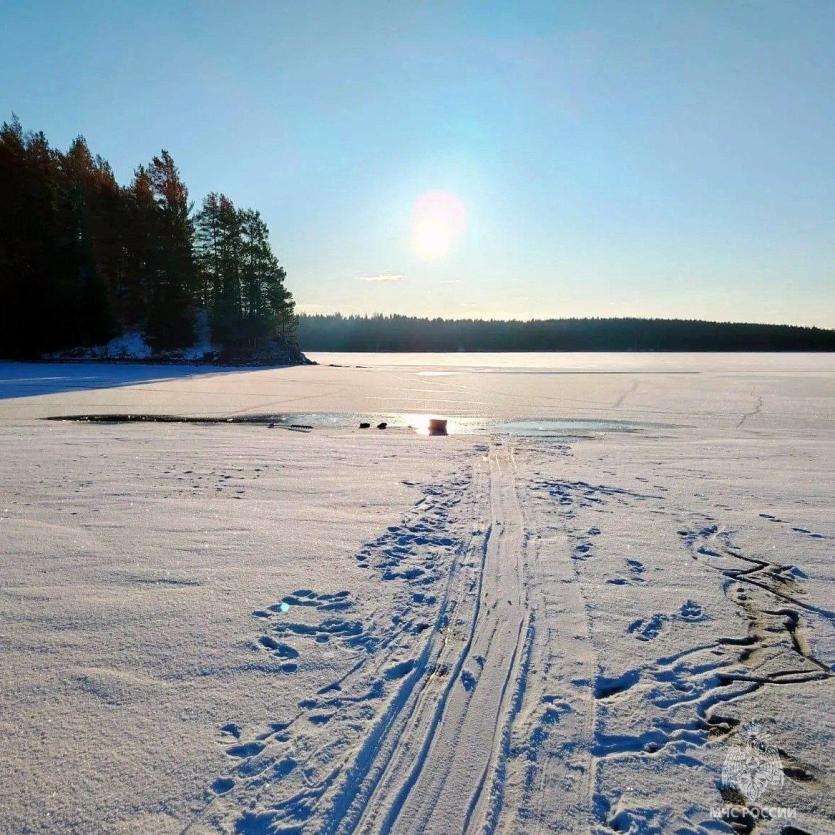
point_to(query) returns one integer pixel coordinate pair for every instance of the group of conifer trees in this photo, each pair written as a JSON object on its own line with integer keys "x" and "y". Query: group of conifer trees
{"x": 334, "y": 332}
{"x": 84, "y": 259}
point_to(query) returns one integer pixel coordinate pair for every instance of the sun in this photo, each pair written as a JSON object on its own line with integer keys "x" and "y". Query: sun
{"x": 438, "y": 219}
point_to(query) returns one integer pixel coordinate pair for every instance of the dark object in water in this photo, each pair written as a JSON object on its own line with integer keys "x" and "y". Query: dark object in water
{"x": 271, "y": 426}
{"x": 365, "y": 425}
{"x": 302, "y": 426}
{"x": 437, "y": 426}
{"x": 382, "y": 424}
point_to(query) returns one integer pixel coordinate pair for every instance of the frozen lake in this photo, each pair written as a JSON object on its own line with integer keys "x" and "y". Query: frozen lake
{"x": 601, "y": 361}
{"x": 227, "y": 627}
{"x": 678, "y": 387}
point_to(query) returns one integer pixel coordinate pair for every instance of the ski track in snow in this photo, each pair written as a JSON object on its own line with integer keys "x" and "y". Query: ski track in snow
{"x": 462, "y": 698}
{"x": 448, "y": 769}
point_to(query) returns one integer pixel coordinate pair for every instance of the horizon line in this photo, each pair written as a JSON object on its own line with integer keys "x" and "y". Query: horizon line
{"x": 379, "y": 314}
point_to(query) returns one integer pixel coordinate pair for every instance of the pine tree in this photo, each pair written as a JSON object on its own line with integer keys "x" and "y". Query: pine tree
{"x": 207, "y": 247}
{"x": 17, "y": 218}
{"x": 268, "y": 306}
{"x": 137, "y": 223}
{"x": 84, "y": 184}
{"x": 218, "y": 243}
{"x": 257, "y": 267}
{"x": 170, "y": 322}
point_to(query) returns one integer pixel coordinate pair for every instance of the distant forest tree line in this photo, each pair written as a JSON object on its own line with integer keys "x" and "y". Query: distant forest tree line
{"x": 84, "y": 259}
{"x": 335, "y": 332}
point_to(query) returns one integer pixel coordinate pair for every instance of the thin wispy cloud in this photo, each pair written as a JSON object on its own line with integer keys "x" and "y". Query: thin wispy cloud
{"x": 384, "y": 277}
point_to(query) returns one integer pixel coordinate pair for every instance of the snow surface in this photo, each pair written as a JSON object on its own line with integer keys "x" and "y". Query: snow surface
{"x": 132, "y": 346}
{"x": 232, "y": 628}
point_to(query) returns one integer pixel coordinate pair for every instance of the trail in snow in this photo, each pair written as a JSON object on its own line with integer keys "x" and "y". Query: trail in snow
{"x": 447, "y": 774}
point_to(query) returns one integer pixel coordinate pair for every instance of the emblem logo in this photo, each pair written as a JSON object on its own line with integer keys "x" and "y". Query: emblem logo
{"x": 752, "y": 765}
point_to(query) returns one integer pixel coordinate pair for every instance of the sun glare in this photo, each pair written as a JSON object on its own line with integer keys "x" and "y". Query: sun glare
{"x": 438, "y": 219}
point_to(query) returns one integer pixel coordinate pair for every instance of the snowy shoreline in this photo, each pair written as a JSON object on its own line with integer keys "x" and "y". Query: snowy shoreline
{"x": 132, "y": 347}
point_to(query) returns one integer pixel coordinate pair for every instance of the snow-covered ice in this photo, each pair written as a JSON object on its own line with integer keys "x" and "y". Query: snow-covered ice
{"x": 232, "y": 628}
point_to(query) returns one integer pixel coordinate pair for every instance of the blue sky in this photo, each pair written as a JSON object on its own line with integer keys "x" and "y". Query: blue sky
{"x": 601, "y": 158}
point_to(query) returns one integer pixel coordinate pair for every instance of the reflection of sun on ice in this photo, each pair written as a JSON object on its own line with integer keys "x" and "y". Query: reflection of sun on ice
{"x": 428, "y": 425}
{"x": 438, "y": 219}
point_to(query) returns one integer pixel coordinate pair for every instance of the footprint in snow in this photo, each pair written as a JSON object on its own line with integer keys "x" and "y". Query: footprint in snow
{"x": 245, "y": 750}
{"x": 277, "y": 647}
{"x": 229, "y": 732}
{"x": 607, "y": 686}
{"x": 222, "y": 785}
{"x": 555, "y": 709}
{"x": 691, "y": 611}
{"x": 648, "y": 629}
{"x": 399, "y": 670}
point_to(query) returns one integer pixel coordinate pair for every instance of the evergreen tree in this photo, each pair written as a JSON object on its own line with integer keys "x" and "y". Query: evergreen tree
{"x": 268, "y": 305}
{"x": 137, "y": 222}
{"x": 244, "y": 283}
{"x": 218, "y": 242}
{"x": 84, "y": 213}
{"x": 170, "y": 323}
{"x": 52, "y": 294}
{"x": 23, "y": 208}
{"x": 207, "y": 246}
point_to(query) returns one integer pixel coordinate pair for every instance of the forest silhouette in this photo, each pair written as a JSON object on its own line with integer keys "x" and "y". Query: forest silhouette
{"x": 84, "y": 259}
{"x": 334, "y": 332}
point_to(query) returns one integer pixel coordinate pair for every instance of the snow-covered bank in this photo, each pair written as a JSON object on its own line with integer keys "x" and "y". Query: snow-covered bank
{"x": 243, "y": 629}
{"x": 132, "y": 347}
